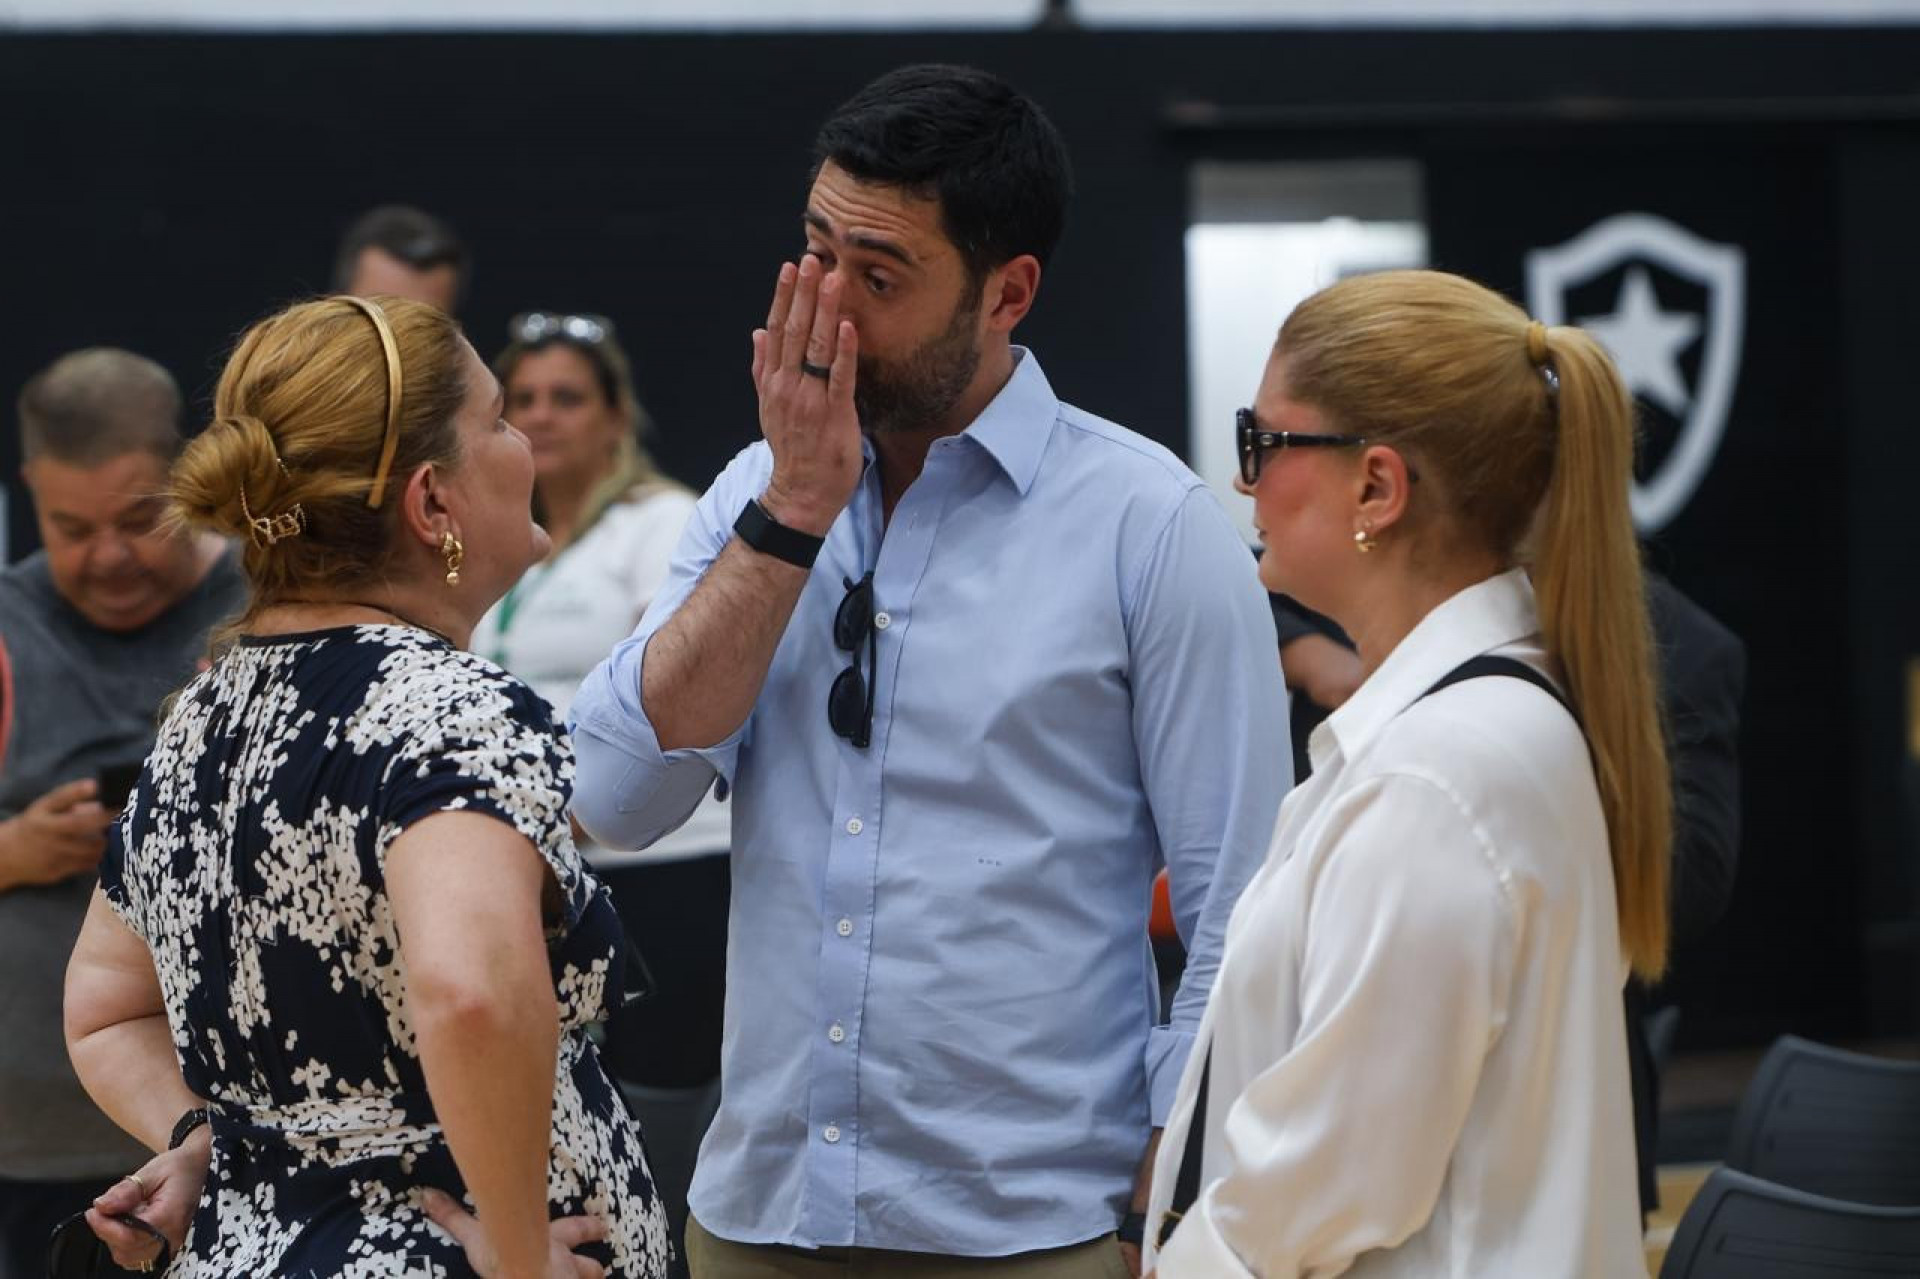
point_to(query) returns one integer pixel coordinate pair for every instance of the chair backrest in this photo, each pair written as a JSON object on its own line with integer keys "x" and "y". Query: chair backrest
{"x": 1833, "y": 1123}
{"x": 1740, "y": 1227}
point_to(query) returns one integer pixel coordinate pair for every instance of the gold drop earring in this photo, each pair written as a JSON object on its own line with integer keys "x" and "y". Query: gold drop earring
{"x": 1363, "y": 540}
{"x": 451, "y": 548}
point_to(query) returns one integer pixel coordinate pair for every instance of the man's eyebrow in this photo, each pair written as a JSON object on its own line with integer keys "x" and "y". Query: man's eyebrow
{"x": 872, "y": 243}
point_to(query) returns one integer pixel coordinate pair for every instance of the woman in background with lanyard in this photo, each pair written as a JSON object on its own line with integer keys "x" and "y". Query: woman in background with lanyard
{"x": 615, "y": 519}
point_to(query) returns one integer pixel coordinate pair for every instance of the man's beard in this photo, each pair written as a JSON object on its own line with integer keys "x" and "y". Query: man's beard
{"x": 916, "y": 393}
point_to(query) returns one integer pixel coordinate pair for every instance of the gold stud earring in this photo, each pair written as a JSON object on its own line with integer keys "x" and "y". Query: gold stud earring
{"x": 451, "y": 548}
{"x": 1363, "y": 540}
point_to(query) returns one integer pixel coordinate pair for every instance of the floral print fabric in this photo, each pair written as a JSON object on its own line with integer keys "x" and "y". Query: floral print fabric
{"x": 251, "y": 861}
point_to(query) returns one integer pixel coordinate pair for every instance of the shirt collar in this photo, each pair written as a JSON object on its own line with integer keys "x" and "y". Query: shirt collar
{"x": 1015, "y": 426}
{"x": 1486, "y": 616}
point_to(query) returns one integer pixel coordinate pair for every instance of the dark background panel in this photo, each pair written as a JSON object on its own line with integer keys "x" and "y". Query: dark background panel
{"x": 162, "y": 191}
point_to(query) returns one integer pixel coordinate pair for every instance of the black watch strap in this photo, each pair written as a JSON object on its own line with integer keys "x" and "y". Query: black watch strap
{"x": 1133, "y": 1229}
{"x": 186, "y": 1124}
{"x": 765, "y": 534}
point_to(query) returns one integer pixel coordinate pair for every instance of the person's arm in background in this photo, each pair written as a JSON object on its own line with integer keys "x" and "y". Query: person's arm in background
{"x": 1315, "y": 656}
{"x": 1702, "y": 679}
{"x": 1210, "y": 723}
{"x": 57, "y": 836}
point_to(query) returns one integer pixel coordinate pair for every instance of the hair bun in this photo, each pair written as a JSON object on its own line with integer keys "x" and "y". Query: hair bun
{"x": 230, "y": 478}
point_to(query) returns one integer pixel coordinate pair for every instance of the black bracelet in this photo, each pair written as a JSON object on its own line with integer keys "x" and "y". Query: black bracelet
{"x": 186, "y": 1124}
{"x": 765, "y": 534}
{"x": 1133, "y": 1228}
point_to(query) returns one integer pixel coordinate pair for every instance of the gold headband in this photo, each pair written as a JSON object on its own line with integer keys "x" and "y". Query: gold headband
{"x": 392, "y": 441}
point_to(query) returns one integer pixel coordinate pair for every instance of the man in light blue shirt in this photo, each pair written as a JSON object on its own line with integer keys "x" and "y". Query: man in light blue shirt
{"x": 974, "y": 664}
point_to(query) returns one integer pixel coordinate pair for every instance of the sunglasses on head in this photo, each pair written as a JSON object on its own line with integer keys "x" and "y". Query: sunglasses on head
{"x": 850, "y": 700}
{"x": 538, "y": 326}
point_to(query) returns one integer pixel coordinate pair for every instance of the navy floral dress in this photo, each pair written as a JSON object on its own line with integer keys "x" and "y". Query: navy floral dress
{"x": 251, "y": 861}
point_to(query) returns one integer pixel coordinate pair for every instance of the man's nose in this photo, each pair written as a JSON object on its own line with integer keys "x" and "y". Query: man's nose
{"x": 109, "y": 552}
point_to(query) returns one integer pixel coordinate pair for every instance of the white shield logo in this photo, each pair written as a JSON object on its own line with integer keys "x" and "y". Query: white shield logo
{"x": 1650, "y": 345}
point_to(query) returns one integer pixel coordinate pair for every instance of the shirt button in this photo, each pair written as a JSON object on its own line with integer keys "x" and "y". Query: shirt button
{"x": 882, "y": 621}
{"x": 832, "y": 1133}
{"x": 854, "y": 826}
{"x": 844, "y": 928}
{"x": 836, "y": 1032}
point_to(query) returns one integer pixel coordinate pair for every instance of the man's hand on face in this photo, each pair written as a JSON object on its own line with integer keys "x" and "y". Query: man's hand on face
{"x": 59, "y": 835}
{"x": 808, "y": 420}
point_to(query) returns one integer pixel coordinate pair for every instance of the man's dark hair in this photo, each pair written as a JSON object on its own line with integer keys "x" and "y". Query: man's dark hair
{"x": 984, "y": 150}
{"x": 412, "y": 235}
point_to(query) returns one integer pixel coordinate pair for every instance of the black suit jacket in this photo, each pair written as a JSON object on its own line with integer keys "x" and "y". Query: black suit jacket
{"x": 1703, "y": 674}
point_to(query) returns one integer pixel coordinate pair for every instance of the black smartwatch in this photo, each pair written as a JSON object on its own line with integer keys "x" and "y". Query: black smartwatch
{"x": 186, "y": 1124}
{"x": 770, "y": 537}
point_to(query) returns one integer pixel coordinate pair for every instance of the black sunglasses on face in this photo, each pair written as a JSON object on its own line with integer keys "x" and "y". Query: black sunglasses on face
{"x": 850, "y": 700}
{"x": 1253, "y": 442}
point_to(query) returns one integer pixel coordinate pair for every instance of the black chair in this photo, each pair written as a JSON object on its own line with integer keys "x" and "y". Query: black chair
{"x": 1740, "y": 1227}
{"x": 1831, "y": 1123}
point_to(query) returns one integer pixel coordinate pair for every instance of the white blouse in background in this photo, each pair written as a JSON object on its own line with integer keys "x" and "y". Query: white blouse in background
{"x": 1417, "y": 1030}
{"x": 565, "y": 615}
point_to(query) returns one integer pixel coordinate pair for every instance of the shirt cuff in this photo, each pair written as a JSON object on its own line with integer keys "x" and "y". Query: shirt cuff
{"x": 628, "y": 792}
{"x": 1167, "y": 1053}
{"x": 1197, "y": 1251}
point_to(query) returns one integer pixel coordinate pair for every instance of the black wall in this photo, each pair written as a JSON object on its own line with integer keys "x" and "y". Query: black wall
{"x": 160, "y": 192}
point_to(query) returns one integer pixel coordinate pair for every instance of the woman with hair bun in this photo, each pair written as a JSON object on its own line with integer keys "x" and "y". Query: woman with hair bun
{"x": 343, "y": 946}
{"x": 1414, "y": 1061}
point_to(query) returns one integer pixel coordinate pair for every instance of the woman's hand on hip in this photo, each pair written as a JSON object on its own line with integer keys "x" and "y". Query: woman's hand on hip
{"x": 563, "y": 1236}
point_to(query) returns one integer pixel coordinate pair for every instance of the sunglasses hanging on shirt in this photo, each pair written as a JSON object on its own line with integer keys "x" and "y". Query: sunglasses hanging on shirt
{"x": 850, "y": 700}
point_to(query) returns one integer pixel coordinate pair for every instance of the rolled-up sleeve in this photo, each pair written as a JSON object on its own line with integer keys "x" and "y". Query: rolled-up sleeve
{"x": 627, "y": 791}
{"x": 1210, "y": 718}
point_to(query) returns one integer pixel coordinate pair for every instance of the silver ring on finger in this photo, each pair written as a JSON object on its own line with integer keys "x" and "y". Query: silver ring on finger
{"x": 811, "y": 369}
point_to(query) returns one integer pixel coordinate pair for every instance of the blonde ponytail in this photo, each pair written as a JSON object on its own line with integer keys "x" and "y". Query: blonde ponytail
{"x": 1593, "y": 615}
{"x": 1527, "y": 434}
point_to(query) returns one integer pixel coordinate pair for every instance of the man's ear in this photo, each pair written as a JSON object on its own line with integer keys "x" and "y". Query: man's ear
{"x": 1009, "y": 293}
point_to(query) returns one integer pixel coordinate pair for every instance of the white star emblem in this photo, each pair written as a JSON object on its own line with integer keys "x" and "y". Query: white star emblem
{"x": 1646, "y": 342}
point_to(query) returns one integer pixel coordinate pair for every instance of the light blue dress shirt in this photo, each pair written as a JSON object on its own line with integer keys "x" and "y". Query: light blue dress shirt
{"x": 940, "y": 998}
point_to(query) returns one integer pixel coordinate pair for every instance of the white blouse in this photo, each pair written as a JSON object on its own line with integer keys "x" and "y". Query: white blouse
{"x": 564, "y": 616}
{"x": 1417, "y": 1033}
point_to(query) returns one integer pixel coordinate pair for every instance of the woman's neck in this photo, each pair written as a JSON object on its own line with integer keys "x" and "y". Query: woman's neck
{"x": 370, "y": 607}
{"x": 1387, "y": 609}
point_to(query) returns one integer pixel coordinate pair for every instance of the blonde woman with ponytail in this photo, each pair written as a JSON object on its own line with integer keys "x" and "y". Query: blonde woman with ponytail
{"x": 344, "y": 950}
{"x": 1414, "y": 1059}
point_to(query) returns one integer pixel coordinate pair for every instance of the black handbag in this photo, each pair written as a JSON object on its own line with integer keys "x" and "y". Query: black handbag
{"x": 75, "y": 1252}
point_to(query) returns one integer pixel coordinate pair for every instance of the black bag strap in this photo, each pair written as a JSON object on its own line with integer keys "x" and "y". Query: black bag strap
{"x": 1186, "y": 1183}
{"x": 1511, "y": 667}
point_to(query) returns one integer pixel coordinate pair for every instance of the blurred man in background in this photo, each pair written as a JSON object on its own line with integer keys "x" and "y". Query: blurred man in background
{"x": 97, "y": 628}
{"x": 403, "y": 252}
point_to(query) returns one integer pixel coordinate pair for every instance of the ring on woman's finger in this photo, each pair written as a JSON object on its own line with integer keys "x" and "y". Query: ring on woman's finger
{"x": 134, "y": 1177}
{"x": 814, "y": 370}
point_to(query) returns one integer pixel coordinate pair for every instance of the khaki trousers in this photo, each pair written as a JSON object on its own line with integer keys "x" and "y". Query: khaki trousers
{"x": 714, "y": 1258}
